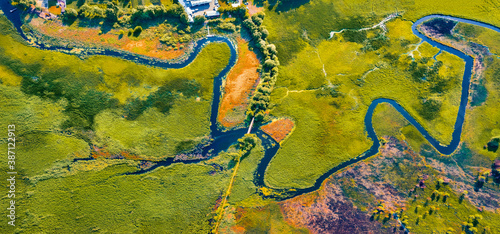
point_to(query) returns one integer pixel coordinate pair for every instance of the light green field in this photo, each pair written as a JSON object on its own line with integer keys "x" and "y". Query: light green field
{"x": 58, "y": 195}
{"x": 175, "y": 199}
{"x": 152, "y": 135}
{"x": 330, "y": 130}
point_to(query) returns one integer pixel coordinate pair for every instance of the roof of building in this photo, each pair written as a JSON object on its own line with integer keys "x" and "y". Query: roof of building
{"x": 212, "y": 13}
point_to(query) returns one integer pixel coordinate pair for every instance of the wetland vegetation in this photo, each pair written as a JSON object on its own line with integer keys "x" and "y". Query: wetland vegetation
{"x": 329, "y": 73}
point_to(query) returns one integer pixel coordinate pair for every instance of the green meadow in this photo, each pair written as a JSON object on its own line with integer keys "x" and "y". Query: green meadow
{"x": 40, "y": 93}
{"x": 178, "y": 198}
{"x": 143, "y": 110}
{"x": 327, "y": 88}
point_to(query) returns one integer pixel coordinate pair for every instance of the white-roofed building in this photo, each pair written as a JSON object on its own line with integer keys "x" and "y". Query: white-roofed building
{"x": 210, "y": 14}
{"x": 200, "y": 2}
{"x": 189, "y": 11}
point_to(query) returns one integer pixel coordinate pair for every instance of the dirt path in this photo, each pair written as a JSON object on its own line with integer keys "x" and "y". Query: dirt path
{"x": 379, "y": 25}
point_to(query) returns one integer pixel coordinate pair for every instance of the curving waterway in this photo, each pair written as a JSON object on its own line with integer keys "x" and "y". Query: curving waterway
{"x": 223, "y": 139}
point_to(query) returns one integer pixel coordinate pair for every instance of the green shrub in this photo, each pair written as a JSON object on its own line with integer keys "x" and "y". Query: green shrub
{"x": 137, "y": 31}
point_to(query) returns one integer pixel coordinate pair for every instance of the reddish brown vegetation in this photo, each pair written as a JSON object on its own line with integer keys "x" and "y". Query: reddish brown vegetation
{"x": 240, "y": 84}
{"x": 330, "y": 212}
{"x": 345, "y": 202}
{"x": 279, "y": 129}
{"x": 91, "y": 37}
{"x": 97, "y": 152}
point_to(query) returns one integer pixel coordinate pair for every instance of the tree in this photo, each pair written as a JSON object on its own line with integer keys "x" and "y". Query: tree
{"x": 23, "y": 4}
{"x": 184, "y": 18}
{"x": 69, "y": 15}
{"x": 137, "y": 31}
{"x": 199, "y": 19}
{"x": 257, "y": 20}
{"x": 271, "y": 48}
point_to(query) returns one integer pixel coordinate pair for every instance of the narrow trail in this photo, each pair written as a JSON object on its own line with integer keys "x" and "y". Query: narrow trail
{"x": 381, "y": 25}
{"x": 224, "y": 200}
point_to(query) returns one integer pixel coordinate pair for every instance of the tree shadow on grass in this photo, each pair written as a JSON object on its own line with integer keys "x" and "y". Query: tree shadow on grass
{"x": 286, "y": 5}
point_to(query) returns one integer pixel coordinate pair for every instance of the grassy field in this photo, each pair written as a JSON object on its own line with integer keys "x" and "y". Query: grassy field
{"x": 328, "y": 88}
{"x": 175, "y": 199}
{"x": 69, "y": 83}
{"x": 58, "y": 195}
{"x": 292, "y": 30}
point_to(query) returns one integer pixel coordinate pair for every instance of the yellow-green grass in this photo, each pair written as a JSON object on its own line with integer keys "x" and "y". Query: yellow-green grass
{"x": 451, "y": 214}
{"x": 480, "y": 35}
{"x": 400, "y": 29}
{"x": 153, "y": 134}
{"x": 266, "y": 219}
{"x": 413, "y": 137}
{"x": 39, "y": 152}
{"x": 426, "y": 50}
{"x": 482, "y": 122}
{"x": 387, "y": 121}
{"x": 243, "y": 186}
{"x": 331, "y": 130}
{"x": 324, "y": 136}
{"x": 28, "y": 113}
{"x": 175, "y": 199}
{"x": 125, "y": 81}
{"x": 314, "y": 20}
{"x": 7, "y": 77}
{"x": 38, "y": 145}
{"x": 122, "y": 78}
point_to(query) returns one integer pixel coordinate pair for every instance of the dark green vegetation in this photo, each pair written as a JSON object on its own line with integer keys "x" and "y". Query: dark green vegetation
{"x": 260, "y": 100}
{"x": 23, "y": 4}
{"x": 122, "y": 13}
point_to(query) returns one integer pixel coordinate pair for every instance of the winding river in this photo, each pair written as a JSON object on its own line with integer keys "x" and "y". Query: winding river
{"x": 223, "y": 139}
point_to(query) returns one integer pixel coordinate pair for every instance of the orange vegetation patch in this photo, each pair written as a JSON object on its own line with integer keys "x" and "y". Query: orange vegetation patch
{"x": 149, "y": 45}
{"x": 253, "y": 9}
{"x": 98, "y": 152}
{"x": 240, "y": 84}
{"x": 55, "y": 10}
{"x": 278, "y": 129}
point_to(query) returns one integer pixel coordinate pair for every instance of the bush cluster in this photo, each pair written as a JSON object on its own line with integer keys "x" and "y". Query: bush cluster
{"x": 112, "y": 13}
{"x": 260, "y": 101}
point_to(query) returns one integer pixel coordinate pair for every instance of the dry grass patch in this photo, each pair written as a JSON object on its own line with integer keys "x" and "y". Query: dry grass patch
{"x": 279, "y": 129}
{"x": 240, "y": 84}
